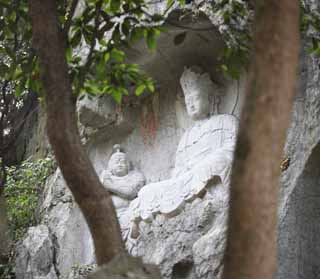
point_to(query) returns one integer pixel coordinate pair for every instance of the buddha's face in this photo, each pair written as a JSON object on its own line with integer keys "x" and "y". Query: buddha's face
{"x": 197, "y": 105}
{"x": 119, "y": 164}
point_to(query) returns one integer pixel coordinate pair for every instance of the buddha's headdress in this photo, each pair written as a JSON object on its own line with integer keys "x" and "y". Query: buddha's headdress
{"x": 194, "y": 79}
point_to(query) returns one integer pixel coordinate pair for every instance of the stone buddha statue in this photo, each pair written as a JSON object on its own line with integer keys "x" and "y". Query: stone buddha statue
{"x": 123, "y": 182}
{"x": 203, "y": 158}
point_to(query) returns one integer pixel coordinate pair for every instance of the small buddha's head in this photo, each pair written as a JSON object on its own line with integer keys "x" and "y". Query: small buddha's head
{"x": 119, "y": 164}
{"x": 196, "y": 86}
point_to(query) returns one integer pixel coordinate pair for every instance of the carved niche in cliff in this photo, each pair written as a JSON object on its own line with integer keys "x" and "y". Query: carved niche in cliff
{"x": 203, "y": 158}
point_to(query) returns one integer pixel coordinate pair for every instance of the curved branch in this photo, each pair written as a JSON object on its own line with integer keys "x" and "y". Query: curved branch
{"x": 252, "y": 233}
{"x": 93, "y": 199}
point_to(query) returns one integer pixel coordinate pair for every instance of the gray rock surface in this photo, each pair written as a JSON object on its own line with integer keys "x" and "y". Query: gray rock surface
{"x": 123, "y": 267}
{"x": 36, "y": 255}
{"x": 175, "y": 244}
{"x": 299, "y": 207}
{"x": 191, "y": 244}
{"x": 185, "y": 246}
{"x": 72, "y": 237}
{"x": 82, "y": 271}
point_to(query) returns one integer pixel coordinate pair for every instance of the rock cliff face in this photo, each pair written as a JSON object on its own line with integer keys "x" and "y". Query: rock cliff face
{"x": 189, "y": 245}
{"x": 184, "y": 246}
{"x": 299, "y": 209}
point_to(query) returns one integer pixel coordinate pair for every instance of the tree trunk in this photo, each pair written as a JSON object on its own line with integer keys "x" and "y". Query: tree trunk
{"x": 251, "y": 244}
{"x": 4, "y": 239}
{"x": 93, "y": 199}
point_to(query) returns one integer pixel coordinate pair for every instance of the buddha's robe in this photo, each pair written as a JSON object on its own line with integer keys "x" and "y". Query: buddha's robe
{"x": 204, "y": 156}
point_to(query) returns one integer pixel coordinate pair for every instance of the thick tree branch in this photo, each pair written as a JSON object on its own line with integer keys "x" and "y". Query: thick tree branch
{"x": 4, "y": 113}
{"x": 251, "y": 246}
{"x": 93, "y": 199}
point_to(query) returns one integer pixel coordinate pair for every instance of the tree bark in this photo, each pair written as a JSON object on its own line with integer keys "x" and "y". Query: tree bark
{"x": 251, "y": 244}
{"x": 4, "y": 239}
{"x": 93, "y": 199}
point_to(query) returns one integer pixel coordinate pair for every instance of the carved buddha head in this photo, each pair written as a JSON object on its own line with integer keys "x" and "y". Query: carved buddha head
{"x": 118, "y": 164}
{"x": 196, "y": 86}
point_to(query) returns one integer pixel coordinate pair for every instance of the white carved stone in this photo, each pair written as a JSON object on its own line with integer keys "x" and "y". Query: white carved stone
{"x": 203, "y": 158}
{"x": 123, "y": 182}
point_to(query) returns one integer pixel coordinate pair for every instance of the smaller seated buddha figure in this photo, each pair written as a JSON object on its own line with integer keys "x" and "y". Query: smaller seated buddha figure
{"x": 123, "y": 182}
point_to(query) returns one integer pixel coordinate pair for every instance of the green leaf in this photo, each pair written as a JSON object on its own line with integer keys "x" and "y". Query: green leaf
{"x": 170, "y": 3}
{"x": 151, "y": 86}
{"x": 103, "y": 42}
{"x": 140, "y": 89}
{"x": 117, "y": 55}
{"x": 310, "y": 50}
{"x": 157, "y": 17}
{"x": 12, "y": 16}
{"x": 234, "y": 73}
{"x": 117, "y": 96}
{"x": 5, "y": 3}
{"x": 19, "y": 89}
{"x": 4, "y": 69}
{"x": 115, "y": 5}
{"x": 137, "y": 33}
{"x": 124, "y": 91}
{"x": 101, "y": 69}
{"x": 224, "y": 68}
{"x": 10, "y": 52}
{"x": 106, "y": 57}
{"x": 19, "y": 73}
{"x": 76, "y": 39}
{"x": 94, "y": 87}
{"x": 69, "y": 54}
{"x": 82, "y": 96}
{"x": 87, "y": 36}
{"x": 151, "y": 39}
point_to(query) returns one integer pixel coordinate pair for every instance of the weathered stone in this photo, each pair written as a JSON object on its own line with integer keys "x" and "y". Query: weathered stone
{"x": 36, "y": 255}
{"x": 124, "y": 183}
{"x": 72, "y": 237}
{"x": 299, "y": 207}
{"x": 121, "y": 179}
{"x": 125, "y": 267}
{"x": 176, "y": 244}
{"x": 203, "y": 159}
{"x": 190, "y": 244}
{"x": 82, "y": 272}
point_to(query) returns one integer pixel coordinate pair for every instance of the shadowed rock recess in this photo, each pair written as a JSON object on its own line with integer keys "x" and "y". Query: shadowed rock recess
{"x": 166, "y": 158}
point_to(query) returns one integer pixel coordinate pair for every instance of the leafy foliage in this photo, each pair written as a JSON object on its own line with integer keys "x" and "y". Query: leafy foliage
{"x": 24, "y": 184}
{"x": 6, "y": 271}
{"x": 310, "y": 26}
{"x": 233, "y": 19}
{"x": 100, "y": 30}
{"x": 94, "y": 34}
{"x": 17, "y": 61}
{"x": 96, "y": 31}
